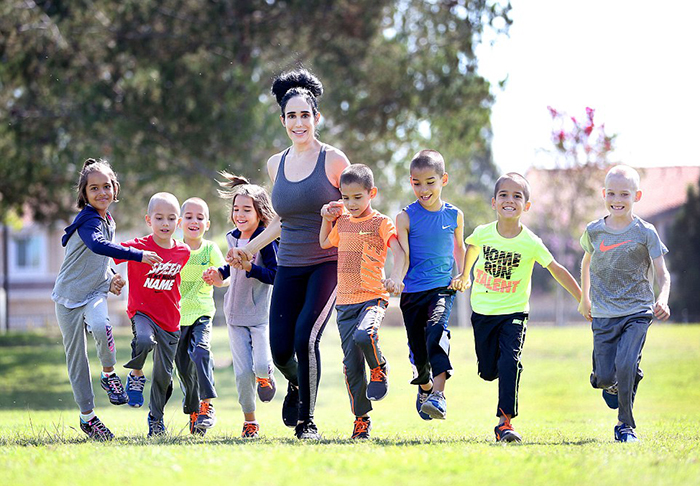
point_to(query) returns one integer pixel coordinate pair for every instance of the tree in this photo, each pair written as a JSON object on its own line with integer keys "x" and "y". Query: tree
{"x": 173, "y": 91}
{"x": 684, "y": 259}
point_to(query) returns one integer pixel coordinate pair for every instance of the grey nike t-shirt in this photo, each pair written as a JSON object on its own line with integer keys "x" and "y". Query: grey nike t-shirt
{"x": 621, "y": 267}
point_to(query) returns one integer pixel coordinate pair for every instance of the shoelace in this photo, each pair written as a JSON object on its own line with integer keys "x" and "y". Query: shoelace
{"x": 98, "y": 428}
{"x": 626, "y": 429}
{"x": 205, "y": 407}
{"x": 193, "y": 419}
{"x": 156, "y": 426}
{"x": 136, "y": 383}
{"x": 361, "y": 426}
{"x": 505, "y": 425}
{"x": 377, "y": 374}
{"x": 264, "y": 382}
{"x": 115, "y": 385}
{"x": 250, "y": 429}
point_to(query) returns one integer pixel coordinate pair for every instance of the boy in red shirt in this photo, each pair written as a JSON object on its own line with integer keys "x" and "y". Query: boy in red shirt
{"x": 154, "y": 308}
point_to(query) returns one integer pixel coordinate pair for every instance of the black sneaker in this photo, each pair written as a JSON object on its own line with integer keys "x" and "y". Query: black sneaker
{"x": 290, "y": 407}
{"x": 307, "y": 430}
{"x": 378, "y": 382}
{"x": 361, "y": 428}
{"x": 155, "y": 426}
{"x": 115, "y": 390}
{"x": 95, "y": 429}
{"x": 610, "y": 397}
{"x": 506, "y": 433}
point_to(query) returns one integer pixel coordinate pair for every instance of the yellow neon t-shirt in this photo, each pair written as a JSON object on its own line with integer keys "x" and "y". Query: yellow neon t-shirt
{"x": 503, "y": 270}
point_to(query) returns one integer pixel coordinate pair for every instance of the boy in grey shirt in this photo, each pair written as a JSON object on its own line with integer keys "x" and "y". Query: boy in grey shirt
{"x": 618, "y": 293}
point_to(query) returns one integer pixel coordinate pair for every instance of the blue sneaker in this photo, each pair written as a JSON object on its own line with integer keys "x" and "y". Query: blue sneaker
{"x": 134, "y": 389}
{"x": 114, "y": 388}
{"x": 155, "y": 426}
{"x": 435, "y": 406}
{"x": 625, "y": 433}
{"x": 378, "y": 383}
{"x": 420, "y": 400}
{"x": 610, "y": 396}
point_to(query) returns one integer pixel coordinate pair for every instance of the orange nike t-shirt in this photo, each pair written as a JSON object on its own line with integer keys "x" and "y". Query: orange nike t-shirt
{"x": 362, "y": 247}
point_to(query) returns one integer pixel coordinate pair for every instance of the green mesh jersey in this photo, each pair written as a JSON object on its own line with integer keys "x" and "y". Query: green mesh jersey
{"x": 198, "y": 297}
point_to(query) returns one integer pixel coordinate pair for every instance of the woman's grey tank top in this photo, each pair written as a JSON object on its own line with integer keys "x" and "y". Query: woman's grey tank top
{"x": 299, "y": 206}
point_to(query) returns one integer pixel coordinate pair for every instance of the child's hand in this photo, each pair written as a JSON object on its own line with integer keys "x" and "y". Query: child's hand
{"x": 584, "y": 308}
{"x": 117, "y": 284}
{"x": 150, "y": 258}
{"x": 211, "y": 276}
{"x": 332, "y": 210}
{"x": 661, "y": 310}
{"x": 460, "y": 283}
{"x": 236, "y": 256}
{"x": 392, "y": 286}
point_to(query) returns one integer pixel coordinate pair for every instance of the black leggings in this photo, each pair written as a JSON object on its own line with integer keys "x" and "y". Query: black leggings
{"x": 302, "y": 301}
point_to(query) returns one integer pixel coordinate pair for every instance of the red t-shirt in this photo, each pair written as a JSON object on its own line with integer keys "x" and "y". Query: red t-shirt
{"x": 155, "y": 291}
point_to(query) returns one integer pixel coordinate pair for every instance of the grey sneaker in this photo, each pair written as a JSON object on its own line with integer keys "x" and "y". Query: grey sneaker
{"x": 435, "y": 406}
{"x": 266, "y": 388}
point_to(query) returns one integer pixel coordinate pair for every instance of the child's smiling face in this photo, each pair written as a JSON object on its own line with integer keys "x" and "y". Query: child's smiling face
{"x": 195, "y": 220}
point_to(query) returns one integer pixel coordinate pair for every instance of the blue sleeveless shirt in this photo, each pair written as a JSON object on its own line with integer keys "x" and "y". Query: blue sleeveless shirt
{"x": 298, "y": 205}
{"x": 431, "y": 247}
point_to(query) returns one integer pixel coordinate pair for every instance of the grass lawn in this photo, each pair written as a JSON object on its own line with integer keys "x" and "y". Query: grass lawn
{"x": 566, "y": 427}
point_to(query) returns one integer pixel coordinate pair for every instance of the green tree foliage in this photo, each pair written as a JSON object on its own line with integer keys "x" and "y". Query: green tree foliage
{"x": 684, "y": 259}
{"x": 173, "y": 91}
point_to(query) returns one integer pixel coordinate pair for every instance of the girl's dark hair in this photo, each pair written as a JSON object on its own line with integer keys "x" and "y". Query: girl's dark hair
{"x": 90, "y": 166}
{"x": 237, "y": 186}
{"x": 299, "y": 82}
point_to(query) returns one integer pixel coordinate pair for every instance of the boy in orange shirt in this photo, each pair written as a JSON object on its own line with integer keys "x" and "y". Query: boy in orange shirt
{"x": 362, "y": 236}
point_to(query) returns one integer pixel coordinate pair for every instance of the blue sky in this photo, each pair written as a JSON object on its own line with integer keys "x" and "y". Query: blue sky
{"x": 635, "y": 65}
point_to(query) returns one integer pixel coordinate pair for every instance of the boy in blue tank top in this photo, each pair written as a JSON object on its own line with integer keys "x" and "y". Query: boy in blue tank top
{"x": 431, "y": 233}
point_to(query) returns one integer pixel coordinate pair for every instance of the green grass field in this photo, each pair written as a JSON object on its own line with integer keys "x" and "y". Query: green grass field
{"x": 566, "y": 427}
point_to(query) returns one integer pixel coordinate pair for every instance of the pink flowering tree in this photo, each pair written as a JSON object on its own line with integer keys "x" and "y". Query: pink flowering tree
{"x": 570, "y": 192}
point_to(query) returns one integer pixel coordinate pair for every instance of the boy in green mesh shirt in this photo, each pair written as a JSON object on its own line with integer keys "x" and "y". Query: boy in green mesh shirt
{"x": 194, "y": 360}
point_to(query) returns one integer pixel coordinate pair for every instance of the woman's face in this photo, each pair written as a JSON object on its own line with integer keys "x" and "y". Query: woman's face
{"x": 299, "y": 120}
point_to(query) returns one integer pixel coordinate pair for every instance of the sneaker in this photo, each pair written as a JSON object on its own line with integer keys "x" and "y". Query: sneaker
{"x": 435, "y": 405}
{"x": 266, "y": 388}
{"x": 610, "y": 396}
{"x": 250, "y": 430}
{"x": 625, "y": 433}
{"x": 134, "y": 389}
{"x": 115, "y": 390}
{"x": 378, "y": 382}
{"x": 307, "y": 430}
{"x": 193, "y": 422}
{"x": 155, "y": 426}
{"x": 420, "y": 400}
{"x": 361, "y": 428}
{"x": 506, "y": 433}
{"x": 206, "y": 418}
{"x": 95, "y": 429}
{"x": 290, "y": 407}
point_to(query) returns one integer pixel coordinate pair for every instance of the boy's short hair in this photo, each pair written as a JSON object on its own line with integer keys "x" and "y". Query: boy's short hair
{"x": 626, "y": 172}
{"x": 358, "y": 174}
{"x": 163, "y": 196}
{"x": 518, "y": 179}
{"x": 428, "y": 159}
{"x": 196, "y": 200}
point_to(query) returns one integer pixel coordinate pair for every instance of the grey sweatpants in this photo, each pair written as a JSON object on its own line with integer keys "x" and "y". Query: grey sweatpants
{"x": 195, "y": 364}
{"x": 148, "y": 336}
{"x": 358, "y": 325}
{"x": 617, "y": 352}
{"x": 250, "y": 348}
{"x": 75, "y": 324}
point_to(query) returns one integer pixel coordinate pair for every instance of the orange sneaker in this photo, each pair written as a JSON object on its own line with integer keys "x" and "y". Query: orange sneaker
{"x": 206, "y": 416}
{"x": 506, "y": 433}
{"x": 361, "y": 428}
{"x": 251, "y": 430}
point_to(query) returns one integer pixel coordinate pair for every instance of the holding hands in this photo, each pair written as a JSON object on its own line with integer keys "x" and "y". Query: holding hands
{"x": 461, "y": 282}
{"x": 332, "y": 210}
{"x": 211, "y": 276}
{"x": 393, "y": 286}
{"x": 240, "y": 259}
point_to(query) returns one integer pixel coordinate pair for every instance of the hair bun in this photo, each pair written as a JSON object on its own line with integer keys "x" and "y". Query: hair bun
{"x": 89, "y": 162}
{"x": 299, "y": 78}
